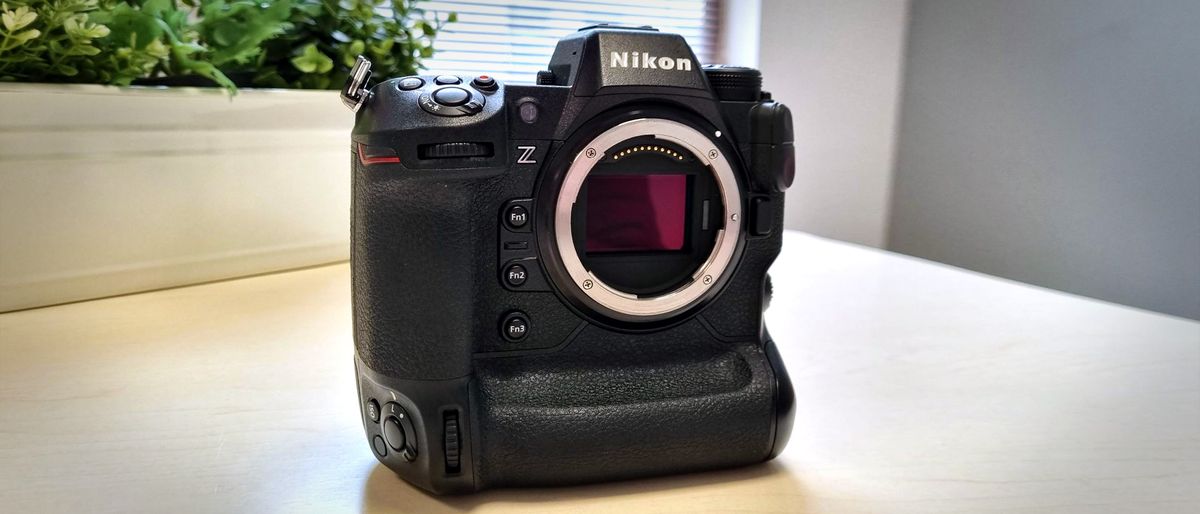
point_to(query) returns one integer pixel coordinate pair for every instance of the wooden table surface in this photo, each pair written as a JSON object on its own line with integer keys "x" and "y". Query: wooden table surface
{"x": 920, "y": 388}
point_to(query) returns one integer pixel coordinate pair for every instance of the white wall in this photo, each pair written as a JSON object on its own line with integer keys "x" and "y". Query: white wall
{"x": 738, "y": 38}
{"x": 1056, "y": 143}
{"x": 837, "y": 65}
{"x": 107, "y": 191}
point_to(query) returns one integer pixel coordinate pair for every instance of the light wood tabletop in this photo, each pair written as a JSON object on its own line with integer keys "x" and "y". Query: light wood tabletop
{"x": 920, "y": 388}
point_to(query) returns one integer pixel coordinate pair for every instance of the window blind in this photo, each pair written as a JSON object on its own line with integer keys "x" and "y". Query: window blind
{"x": 513, "y": 40}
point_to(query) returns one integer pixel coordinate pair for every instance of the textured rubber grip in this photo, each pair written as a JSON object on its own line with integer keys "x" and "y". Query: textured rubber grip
{"x": 650, "y": 407}
{"x": 417, "y": 243}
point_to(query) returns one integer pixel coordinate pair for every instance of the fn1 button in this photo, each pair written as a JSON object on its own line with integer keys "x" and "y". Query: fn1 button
{"x": 516, "y": 217}
{"x": 515, "y": 327}
{"x": 515, "y": 275}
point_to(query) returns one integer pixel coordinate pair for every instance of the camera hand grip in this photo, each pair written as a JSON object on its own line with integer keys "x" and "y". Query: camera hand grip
{"x": 415, "y": 243}
{"x": 567, "y": 421}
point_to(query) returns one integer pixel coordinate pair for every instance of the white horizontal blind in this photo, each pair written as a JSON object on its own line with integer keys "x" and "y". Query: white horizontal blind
{"x": 513, "y": 40}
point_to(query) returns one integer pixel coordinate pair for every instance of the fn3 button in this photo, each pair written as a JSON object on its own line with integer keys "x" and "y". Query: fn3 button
{"x": 515, "y": 327}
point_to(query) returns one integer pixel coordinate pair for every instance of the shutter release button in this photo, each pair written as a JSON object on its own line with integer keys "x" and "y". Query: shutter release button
{"x": 451, "y": 96}
{"x": 393, "y": 433}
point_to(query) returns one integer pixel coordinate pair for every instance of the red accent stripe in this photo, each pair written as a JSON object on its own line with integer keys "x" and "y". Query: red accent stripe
{"x": 375, "y": 160}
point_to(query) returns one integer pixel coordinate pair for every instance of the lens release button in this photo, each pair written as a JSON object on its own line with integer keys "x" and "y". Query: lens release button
{"x": 451, "y": 96}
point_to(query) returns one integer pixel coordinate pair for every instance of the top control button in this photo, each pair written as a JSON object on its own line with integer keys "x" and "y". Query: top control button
{"x": 410, "y": 83}
{"x": 451, "y": 96}
{"x": 443, "y": 80}
{"x": 484, "y": 83}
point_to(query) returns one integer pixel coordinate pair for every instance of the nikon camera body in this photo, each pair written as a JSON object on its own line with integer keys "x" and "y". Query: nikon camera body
{"x": 564, "y": 282}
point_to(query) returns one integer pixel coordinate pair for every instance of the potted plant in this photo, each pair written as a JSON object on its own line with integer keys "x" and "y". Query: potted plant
{"x": 148, "y": 144}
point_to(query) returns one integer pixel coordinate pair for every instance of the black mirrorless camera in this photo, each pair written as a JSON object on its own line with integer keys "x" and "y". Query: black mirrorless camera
{"x": 564, "y": 282}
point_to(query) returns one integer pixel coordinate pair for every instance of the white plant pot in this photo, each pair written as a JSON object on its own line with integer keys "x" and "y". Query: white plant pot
{"x": 106, "y": 191}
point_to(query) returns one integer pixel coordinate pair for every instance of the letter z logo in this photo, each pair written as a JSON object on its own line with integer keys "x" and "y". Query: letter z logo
{"x": 526, "y": 155}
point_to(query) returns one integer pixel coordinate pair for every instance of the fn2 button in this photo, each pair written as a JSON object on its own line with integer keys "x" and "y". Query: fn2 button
{"x": 515, "y": 275}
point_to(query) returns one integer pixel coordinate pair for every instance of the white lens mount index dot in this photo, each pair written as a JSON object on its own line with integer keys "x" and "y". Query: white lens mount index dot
{"x": 714, "y": 266}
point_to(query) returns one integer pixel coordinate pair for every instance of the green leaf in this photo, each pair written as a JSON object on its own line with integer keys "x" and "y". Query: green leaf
{"x": 24, "y": 36}
{"x": 311, "y": 60}
{"x": 15, "y": 20}
{"x": 66, "y": 70}
{"x": 130, "y": 26}
{"x": 297, "y": 43}
{"x": 83, "y": 50}
{"x": 158, "y": 8}
{"x": 157, "y": 50}
{"x": 236, "y": 32}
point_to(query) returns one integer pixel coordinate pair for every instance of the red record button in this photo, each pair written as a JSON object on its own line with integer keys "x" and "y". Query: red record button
{"x": 484, "y": 83}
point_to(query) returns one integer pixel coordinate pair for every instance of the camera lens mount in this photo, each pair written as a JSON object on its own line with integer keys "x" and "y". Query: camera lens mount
{"x": 610, "y": 299}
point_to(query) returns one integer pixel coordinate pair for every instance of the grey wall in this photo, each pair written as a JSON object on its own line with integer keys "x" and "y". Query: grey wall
{"x": 836, "y": 64}
{"x": 1057, "y": 143}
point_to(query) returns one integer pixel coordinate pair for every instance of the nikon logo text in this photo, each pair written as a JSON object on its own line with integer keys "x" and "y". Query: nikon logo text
{"x": 645, "y": 60}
